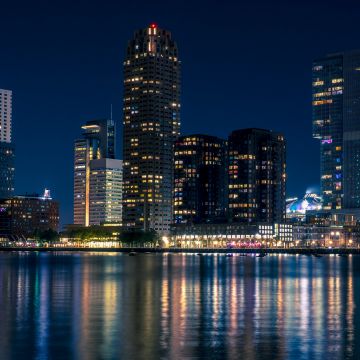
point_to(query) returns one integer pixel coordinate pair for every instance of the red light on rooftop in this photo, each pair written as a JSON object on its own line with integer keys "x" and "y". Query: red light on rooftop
{"x": 153, "y": 26}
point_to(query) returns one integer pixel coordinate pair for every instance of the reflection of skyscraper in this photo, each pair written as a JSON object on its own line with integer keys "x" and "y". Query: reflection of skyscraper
{"x": 151, "y": 125}
{"x": 200, "y": 179}
{"x": 97, "y": 175}
{"x": 256, "y": 176}
{"x": 336, "y": 123}
{"x": 7, "y": 151}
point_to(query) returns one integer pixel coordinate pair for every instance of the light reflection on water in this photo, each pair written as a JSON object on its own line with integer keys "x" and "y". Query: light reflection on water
{"x": 178, "y": 306}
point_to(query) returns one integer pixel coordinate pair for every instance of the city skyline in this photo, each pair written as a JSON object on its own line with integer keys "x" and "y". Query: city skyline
{"x": 200, "y": 168}
{"x": 235, "y": 107}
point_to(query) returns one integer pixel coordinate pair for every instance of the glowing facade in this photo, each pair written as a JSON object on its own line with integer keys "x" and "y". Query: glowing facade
{"x": 105, "y": 193}
{"x": 151, "y": 117}
{"x": 97, "y": 175}
{"x": 297, "y": 208}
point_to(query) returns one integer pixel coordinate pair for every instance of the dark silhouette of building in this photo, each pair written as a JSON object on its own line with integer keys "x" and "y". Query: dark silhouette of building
{"x": 22, "y": 216}
{"x": 200, "y": 186}
{"x": 256, "y": 176}
{"x": 151, "y": 126}
{"x": 7, "y": 169}
{"x": 336, "y": 114}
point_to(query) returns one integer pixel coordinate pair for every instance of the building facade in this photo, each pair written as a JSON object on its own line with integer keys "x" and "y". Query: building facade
{"x": 22, "y": 216}
{"x": 235, "y": 235}
{"x": 7, "y": 150}
{"x": 313, "y": 235}
{"x": 97, "y": 175}
{"x": 200, "y": 182}
{"x": 256, "y": 176}
{"x": 7, "y": 170}
{"x": 151, "y": 118}
{"x": 5, "y": 115}
{"x": 105, "y": 195}
{"x": 336, "y": 123}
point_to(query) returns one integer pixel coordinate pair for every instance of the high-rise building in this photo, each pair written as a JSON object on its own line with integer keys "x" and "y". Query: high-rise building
{"x": 200, "y": 182}
{"x": 97, "y": 175}
{"x": 105, "y": 194}
{"x": 7, "y": 169}
{"x": 257, "y": 179}
{"x": 151, "y": 125}
{"x": 7, "y": 150}
{"x": 336, "y": 123}
{"x": 5, "y": 115}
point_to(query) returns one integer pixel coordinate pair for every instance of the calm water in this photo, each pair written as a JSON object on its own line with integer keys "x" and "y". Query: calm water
{"x": 114, "y": 306}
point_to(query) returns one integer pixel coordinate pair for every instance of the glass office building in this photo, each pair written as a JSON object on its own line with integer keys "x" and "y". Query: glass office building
{"x": 336, "y": 123}
{"x": 97, "y": 175}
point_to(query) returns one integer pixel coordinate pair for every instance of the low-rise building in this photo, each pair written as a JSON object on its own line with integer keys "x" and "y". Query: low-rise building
{"x": 232, "y": 235}
{"x": 22, "y": 216}
{"x": 329, "y": 236}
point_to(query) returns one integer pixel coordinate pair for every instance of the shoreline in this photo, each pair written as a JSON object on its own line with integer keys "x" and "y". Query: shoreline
{"x": 291, "y": 251}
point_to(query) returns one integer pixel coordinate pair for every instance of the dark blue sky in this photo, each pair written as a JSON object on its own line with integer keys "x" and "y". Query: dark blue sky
{"x": 245, "y": 64}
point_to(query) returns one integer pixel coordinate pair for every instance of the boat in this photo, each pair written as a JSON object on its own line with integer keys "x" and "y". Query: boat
{"x": 261, "y": 255}
{"x": 343, "y": 255}
{"x": 199, "y": 254}
{"x": 317, "y": 255}
{"x": 229, "y": 255}
{"x": 132, "y": 253}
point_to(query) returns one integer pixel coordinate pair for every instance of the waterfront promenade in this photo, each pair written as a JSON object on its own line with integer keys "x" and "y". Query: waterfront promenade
{"x": 134, "y": 250}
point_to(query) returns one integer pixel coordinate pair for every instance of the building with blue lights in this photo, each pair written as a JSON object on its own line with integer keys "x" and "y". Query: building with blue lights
{"x": 336, "y": 123}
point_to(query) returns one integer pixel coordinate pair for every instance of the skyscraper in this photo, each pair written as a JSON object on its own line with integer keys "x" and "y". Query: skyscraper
{"x": 336, "y": 123}
{"x": 257, "y": 177}
{"x": 97, "y": 175}
{"x": 7, "y": 150}
{"x": 5, "y": 115}
{"x": 200, "y": 186}
{"x": 151, "y": 125}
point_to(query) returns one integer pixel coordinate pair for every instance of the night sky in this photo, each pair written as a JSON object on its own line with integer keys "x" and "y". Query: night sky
{"x": 244, "y": 64}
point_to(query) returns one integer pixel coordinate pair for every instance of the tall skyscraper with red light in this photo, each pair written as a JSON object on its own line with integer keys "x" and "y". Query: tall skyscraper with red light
{"x": 151, "y": 118}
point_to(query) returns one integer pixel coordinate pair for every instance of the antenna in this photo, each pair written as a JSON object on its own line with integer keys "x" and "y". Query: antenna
{"x": 110, "y": 111}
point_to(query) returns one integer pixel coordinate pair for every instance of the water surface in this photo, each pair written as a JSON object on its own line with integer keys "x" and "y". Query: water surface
{"x": 178, "y": 306}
